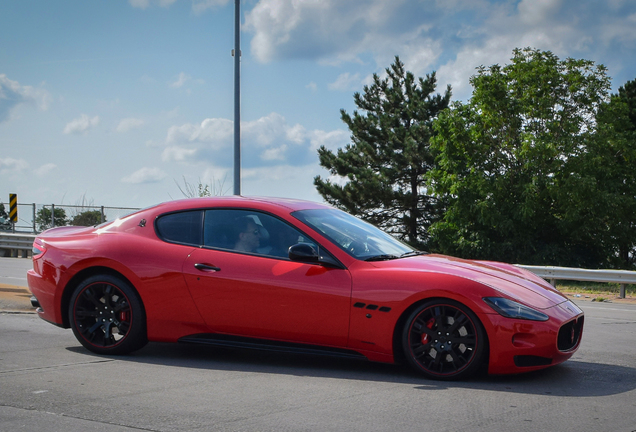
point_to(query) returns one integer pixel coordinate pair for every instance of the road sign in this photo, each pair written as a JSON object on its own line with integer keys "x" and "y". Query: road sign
{"x": 13, "y": 208}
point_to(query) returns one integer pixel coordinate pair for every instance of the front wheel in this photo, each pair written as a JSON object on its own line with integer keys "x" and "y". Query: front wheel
{"x": 444, "y": 340}
{"x": 107, "y": 316}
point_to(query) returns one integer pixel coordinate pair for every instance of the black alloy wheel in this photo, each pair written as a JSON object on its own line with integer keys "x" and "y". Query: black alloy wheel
{"x": 107, "y": 316}
{"x": 444, "y": 340}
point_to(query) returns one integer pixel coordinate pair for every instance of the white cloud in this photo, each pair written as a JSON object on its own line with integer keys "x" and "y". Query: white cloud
{"x": 265, "y": 130}
{"x": 450, "y": 36}
{"x": 145, "y": 175}
{"x": 267, "y": 139}
{"x": 346, "y": 82}
{"x": 457, "y": 72}
{"x": 276, "y": 153}
{"x": 213, "y": 130}
{"x": 45, "y": 169}
{"x": 332, "y": 140}
{"x": 296, "y": 134}
{"x": 81, "y": 124}
{"x": 326, "y": 29}
{"x": 542, "y": 24}
{"x": 537, "y": 11}
{"x": 129, "y": 123}
{"x": 312, "y": 86}
{"x": 176, "y": 153}
{"x": 12, "y": 165}
{"x": 181, "y": 80}
{"x": 13, "y": 94}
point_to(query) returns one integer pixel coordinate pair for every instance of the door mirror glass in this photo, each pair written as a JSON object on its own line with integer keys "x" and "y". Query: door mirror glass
{"x": 304, "y": 252}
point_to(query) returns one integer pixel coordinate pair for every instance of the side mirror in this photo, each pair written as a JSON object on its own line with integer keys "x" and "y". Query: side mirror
{"x": 304, "y": 252}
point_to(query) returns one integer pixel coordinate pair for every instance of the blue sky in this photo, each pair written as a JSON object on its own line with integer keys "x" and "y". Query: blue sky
{"x": 117, "y": 101}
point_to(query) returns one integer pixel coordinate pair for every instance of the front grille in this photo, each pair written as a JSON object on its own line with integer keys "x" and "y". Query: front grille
{"x": 570, "y": 334}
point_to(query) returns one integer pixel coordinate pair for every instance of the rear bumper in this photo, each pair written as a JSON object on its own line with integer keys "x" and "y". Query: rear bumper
{"x": 44, "y": 293}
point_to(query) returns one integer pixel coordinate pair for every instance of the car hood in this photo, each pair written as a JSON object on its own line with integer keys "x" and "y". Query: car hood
{"x": 511, "y": 281}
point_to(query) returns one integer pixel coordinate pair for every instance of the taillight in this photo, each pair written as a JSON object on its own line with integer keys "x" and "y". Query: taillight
{"x": 38, "y": 248}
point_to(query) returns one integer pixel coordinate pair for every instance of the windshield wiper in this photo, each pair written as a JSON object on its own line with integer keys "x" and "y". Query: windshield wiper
{"x": 382, "y": 258}
{"x": 412, "y": 253}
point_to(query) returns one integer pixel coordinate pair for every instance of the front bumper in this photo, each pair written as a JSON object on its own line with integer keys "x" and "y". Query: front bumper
{"x": 521, "y": 345}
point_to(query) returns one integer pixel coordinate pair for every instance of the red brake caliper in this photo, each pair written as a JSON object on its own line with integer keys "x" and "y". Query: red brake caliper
{"x": 123, "y": 316}
{"x": 426, "y": 338}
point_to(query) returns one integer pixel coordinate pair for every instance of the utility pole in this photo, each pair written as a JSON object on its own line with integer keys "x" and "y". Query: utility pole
{"x": 237, "y": 97}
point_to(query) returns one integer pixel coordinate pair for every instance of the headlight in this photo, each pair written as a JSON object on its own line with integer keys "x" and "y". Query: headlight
{"x": 512, "y": 309}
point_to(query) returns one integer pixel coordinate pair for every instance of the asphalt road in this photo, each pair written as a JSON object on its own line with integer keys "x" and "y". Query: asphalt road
{"x": 13, "y": 270}
{"x": 49, "y": 382}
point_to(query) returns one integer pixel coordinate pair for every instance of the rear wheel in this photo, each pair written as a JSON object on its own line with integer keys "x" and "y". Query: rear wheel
{"x": 107, "y": 316}
{"x": 444, "y": 340}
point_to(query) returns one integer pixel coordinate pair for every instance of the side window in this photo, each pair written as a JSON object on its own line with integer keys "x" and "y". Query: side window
{"x": 183, "y": 227}
{"x": 251, "y": 232}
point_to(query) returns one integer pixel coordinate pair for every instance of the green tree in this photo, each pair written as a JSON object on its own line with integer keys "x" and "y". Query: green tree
{"x": 609, "y": 171}
{"x": 43, "y": 218}
{"x": 383, "y": 169}
{"x": 87, "y": 218}
{"x": 627, "y": 94}
{"x": 3, "y": 212}
{"x": 511, "y": 163}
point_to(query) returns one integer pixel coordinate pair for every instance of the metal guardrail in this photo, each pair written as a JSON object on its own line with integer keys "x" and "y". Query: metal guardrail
{"x": 552, "y": 274}
{"x": 15, "y": 243}
{"x": 24, "y": 243}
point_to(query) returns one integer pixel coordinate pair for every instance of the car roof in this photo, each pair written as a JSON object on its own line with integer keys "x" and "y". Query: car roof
{"x": 290, "y": 204}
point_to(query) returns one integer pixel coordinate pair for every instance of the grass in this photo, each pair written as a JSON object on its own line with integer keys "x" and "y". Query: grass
{"x": 599, "y": 290}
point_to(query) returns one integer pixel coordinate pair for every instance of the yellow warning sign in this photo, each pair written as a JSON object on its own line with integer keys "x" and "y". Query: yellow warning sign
{"x": 13, "y": 208}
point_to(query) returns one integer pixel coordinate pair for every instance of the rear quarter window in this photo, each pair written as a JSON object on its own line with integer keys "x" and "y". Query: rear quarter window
{"x": 184, "y": 227}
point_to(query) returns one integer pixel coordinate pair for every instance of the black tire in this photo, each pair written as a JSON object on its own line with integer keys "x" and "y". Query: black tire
{"x": 444, "y": 340}
{"x": 107, "y": 316}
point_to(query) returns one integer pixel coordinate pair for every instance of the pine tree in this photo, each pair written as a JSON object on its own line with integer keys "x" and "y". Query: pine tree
{"x": 380, "y": 176}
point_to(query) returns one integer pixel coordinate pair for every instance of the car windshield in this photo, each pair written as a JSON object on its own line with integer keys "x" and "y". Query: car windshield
{"x": 358, "y": 238}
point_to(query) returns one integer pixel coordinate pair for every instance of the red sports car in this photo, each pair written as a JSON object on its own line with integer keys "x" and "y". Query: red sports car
{"x": 290, "y": 275}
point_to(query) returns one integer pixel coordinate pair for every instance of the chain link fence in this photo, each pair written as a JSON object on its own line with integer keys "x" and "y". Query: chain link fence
{"x": 35, "y": 218}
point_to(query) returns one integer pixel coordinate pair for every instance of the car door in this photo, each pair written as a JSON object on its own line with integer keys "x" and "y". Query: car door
{"x": 261, "y": 293}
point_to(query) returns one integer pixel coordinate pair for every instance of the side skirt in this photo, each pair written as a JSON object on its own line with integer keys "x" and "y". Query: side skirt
{"x": 227, "y": 341}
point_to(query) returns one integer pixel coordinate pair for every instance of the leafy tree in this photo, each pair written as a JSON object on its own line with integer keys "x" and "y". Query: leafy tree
{"x": 43, "y": 218}
{"x": 511, "y": 165}
{"x": 627, "y": 94}
{"x": 383, "y": 169}
{"x": 3, "y": 212}
{"x": 87, "y": 218}
{"x": 609, "y": 168}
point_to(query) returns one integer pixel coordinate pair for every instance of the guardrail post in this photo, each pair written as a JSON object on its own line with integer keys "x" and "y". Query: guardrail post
{"x": 622, "y": 290}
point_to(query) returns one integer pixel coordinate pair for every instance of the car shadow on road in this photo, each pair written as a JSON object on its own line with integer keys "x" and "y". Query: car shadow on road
{"x": 572, "y": 378}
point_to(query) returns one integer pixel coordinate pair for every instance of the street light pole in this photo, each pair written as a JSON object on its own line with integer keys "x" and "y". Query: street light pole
{"x": 237, "y": 97}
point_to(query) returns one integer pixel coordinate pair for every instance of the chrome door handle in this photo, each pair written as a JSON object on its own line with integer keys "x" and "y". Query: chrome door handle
{"x": 206, "y": 267}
